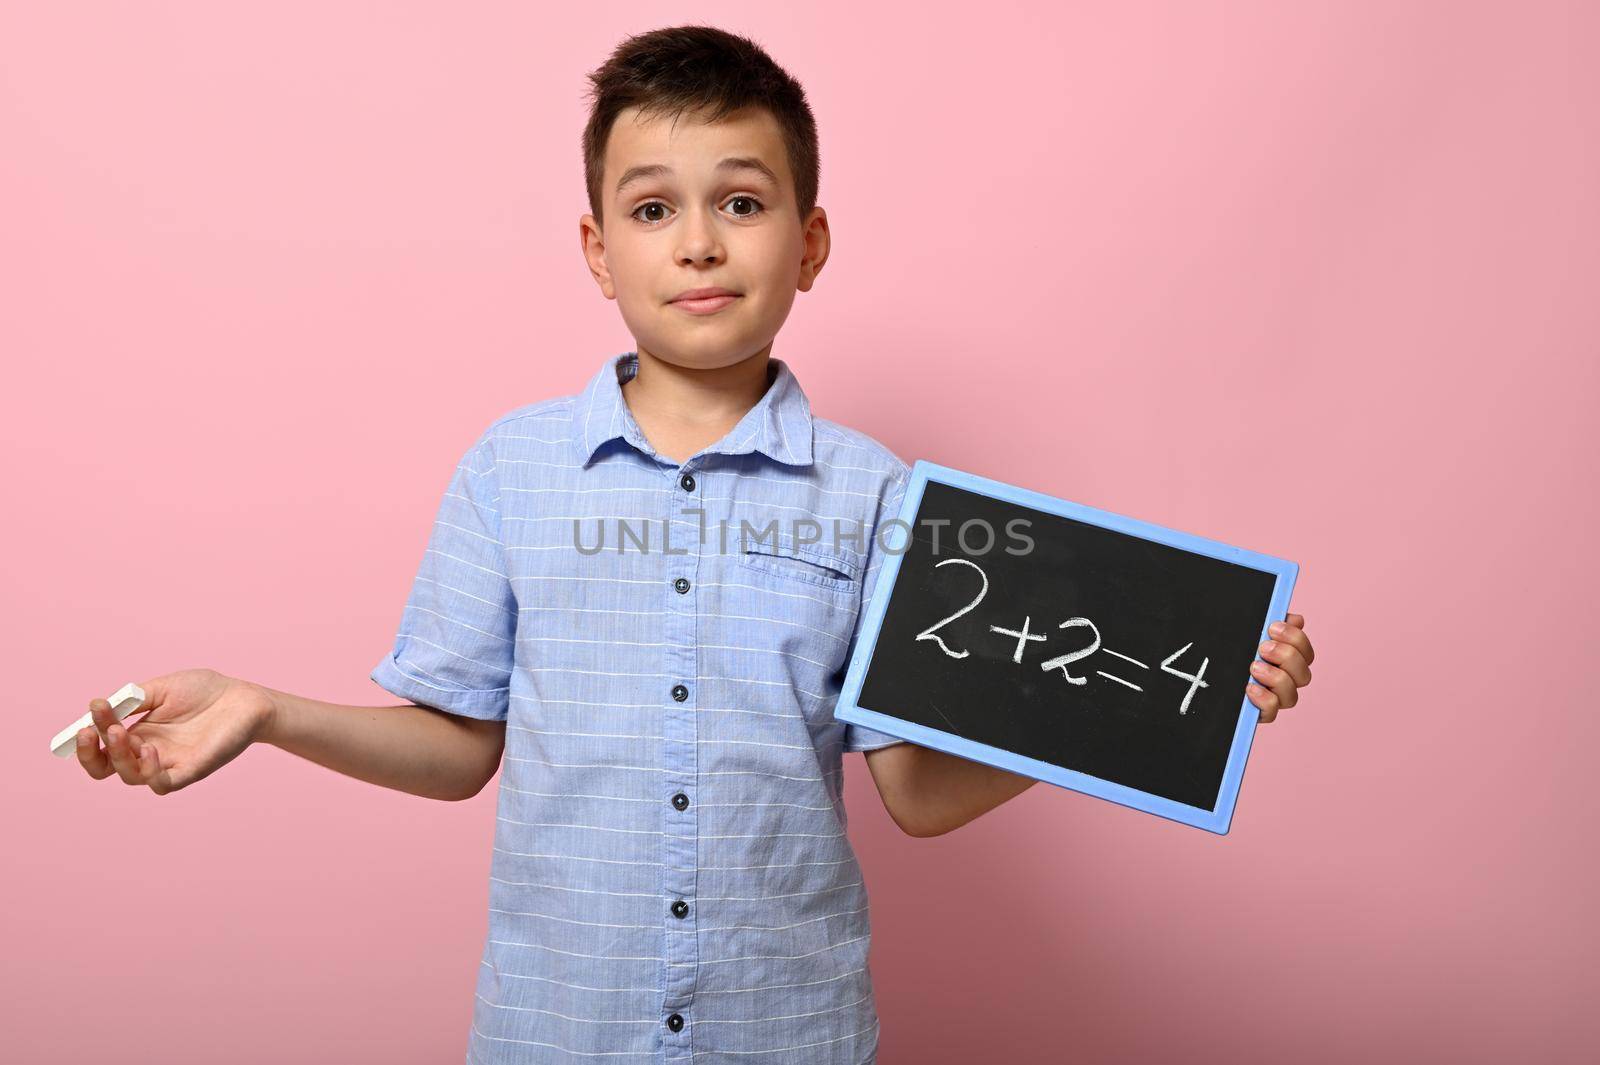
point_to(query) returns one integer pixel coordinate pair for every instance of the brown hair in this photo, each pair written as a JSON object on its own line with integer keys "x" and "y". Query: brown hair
{"x": 681, "y": 68}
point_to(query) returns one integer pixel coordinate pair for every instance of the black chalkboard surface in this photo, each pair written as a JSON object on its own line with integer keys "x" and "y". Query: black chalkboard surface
{"x": 1080, "y": 647}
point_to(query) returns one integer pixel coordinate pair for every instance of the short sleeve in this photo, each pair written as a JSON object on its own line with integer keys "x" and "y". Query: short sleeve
{"x": 457, "y": 633}
{"x": 857, "y": 738}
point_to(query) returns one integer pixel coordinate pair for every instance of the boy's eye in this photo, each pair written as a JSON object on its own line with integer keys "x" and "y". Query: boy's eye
{"x": 755, "y": 209}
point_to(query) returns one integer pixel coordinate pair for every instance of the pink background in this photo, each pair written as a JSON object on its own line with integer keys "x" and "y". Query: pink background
{"x": 1315, "y": 279}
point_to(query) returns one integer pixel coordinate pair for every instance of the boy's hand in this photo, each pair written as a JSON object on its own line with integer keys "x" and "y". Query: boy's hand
{"x": 196, "y": 721}
{"x": 1275, "y": 684}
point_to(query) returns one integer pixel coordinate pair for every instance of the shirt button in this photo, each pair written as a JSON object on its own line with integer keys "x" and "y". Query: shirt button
{"x": 687, "y": 480}
{"x": 679, "y": 692}
{"x": 675, "y": 1022}
{"x": 680, "y": 909}
{"x": 681, "y": 801}
{"x": 682, "y": 584}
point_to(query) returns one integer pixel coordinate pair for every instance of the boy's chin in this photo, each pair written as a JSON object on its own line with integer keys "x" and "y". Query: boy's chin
{"x": 707, "y": 352}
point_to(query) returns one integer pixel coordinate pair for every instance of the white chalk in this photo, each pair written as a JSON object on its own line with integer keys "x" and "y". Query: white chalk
{"x": 124, "y": 701}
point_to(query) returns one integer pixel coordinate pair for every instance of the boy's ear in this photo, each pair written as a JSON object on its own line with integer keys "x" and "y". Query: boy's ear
{"x": 592, "y": 242}
{"x": 814, "y": 251}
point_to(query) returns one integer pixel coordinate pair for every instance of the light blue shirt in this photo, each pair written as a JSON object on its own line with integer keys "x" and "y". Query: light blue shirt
{"x": 671, "y": 878}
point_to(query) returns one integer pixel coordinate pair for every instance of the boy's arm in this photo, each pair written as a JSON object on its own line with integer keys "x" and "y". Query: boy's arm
{"x": 929, "y": 792}
{"x": 410, "y": 748}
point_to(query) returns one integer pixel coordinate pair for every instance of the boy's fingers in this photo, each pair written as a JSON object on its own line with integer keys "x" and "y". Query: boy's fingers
{"x": 155, "y": 692}
{"x": 1294, "y": 664}
{"x": 1266, "y": 702}
{"x": 90, "y": 756}
{"x": 155, "y": 774}
{"x": 1288, "y": 658}
{"x": 127, "y": 754}
{"x": 1293, "y": 636}
{"x": 104, "y": 717}
{"x": 114, "y": 752}
{"x": 123, "y": 756}
{"x": 1297, "y": 620}
{"x": 1283, "y": 686}
{"x": 1277, "y": 681}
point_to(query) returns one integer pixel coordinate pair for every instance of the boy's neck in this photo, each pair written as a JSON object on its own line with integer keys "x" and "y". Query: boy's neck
{"x": 682, "y": 410}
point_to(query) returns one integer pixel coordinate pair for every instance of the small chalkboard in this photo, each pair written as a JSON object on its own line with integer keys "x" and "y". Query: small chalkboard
{"x": 1083, "y": 648}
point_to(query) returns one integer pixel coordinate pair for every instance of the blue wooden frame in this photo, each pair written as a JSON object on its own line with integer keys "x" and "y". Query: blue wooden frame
{"x": 848, "y": 708}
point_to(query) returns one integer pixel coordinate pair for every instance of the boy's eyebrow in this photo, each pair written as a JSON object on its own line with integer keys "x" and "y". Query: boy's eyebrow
{"x": 738, "y": 162}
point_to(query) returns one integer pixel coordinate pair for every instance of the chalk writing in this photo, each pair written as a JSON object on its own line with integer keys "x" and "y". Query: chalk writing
{"x": 1061, "y": 662}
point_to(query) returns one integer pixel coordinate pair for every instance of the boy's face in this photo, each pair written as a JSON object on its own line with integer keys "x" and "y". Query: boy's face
{"x": 701, "y": 225}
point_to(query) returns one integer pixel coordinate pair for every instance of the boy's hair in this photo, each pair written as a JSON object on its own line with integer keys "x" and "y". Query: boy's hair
{"x": 681, "y": 68}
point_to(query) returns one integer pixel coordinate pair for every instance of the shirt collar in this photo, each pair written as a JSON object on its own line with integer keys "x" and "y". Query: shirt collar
{"x": 779, "y": 425}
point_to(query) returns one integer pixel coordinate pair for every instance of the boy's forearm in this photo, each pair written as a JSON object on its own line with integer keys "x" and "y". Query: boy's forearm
{"x": 410, "y": 748}
{"x": 949, "y": 791}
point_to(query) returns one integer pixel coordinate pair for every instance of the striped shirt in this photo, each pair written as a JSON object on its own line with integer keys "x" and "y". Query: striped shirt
{"x": 671, "y": 878}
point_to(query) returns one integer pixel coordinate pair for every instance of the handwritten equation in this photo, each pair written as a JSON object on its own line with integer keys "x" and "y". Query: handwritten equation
{"x": 1061, "y": 662}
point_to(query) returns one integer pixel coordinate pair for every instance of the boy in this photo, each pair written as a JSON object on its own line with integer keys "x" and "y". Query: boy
{"x": 625, "y": 605}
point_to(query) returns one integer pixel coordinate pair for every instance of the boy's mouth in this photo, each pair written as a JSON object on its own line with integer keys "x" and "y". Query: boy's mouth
{"x": 702, "y": 293}
{"x": 704, "y": 300}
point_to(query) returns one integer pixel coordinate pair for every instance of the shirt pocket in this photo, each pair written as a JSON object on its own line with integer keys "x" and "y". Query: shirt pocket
{"x": 781, "y": 557}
